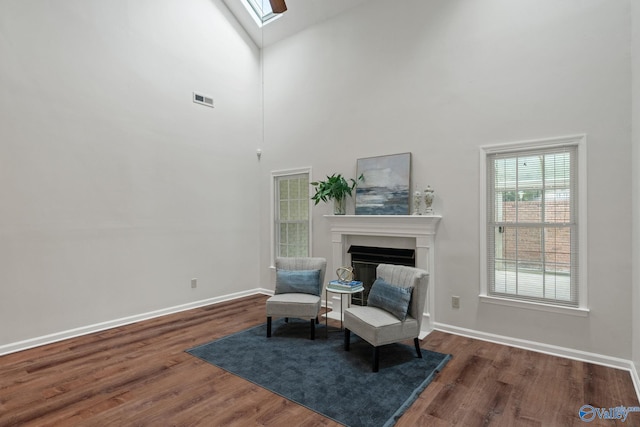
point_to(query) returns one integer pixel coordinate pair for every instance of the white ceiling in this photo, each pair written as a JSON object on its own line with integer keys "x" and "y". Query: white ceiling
{"x": 300, "y": 15}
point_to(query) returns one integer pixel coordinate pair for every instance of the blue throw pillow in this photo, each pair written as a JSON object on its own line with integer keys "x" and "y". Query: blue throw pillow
{"x": 391, "y": 298}
{"x": 298, "y": 281}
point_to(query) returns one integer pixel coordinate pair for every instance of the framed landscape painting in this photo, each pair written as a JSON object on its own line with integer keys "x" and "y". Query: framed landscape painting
{"x": 385, "y": 187}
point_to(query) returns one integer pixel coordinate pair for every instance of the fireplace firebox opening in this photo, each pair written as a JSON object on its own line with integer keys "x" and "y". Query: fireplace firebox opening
{"x": 365, "y": 260}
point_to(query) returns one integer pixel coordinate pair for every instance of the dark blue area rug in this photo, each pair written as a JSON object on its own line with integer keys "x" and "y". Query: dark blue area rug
{"x": 322, "y": 376}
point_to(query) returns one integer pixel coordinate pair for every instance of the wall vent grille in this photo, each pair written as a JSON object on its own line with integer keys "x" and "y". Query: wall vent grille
{"x": 199, "y": 98}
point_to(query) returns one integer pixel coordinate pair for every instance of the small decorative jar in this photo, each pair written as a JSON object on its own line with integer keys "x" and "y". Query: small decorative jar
{"x": 417, "y": 199}
{"x": 428, "y": 200}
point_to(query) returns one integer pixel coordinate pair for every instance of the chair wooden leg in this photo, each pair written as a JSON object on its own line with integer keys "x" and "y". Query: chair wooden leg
{"x": 347, "y": 339}
{"x": 416, "y": 342}
{"x": 376, "y": 358}
{"x": 312, "y": 323}
{"x": 268, "y": 326}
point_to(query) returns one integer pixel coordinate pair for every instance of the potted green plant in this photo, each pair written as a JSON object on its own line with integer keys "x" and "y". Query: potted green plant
{"x": 335, "y": 188}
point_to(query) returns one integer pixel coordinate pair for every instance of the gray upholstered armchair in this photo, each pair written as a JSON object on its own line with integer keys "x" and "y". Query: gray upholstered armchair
{"x": 298, "y": 291}
{"x": 393, "y": 312}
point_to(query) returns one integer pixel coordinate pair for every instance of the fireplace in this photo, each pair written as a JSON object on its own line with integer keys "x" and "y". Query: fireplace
{"x": 365, "y": 260}
{"x": 386, "y": 231}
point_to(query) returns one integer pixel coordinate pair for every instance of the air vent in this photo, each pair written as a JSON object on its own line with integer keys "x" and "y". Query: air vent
{"x": 199, "y": 98}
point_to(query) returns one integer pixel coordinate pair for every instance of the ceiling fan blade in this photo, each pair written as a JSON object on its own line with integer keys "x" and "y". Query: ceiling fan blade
{"x": 278, "y": 6}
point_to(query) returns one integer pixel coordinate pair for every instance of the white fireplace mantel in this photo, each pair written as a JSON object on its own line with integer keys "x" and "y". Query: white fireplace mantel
{"x": 422, "y": 228}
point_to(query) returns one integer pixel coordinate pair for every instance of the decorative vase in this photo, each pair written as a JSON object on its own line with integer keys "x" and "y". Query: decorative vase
{"x": 340, "y": 206}
{"x": 428, "y": 200}
{"x": 417, "y": 199}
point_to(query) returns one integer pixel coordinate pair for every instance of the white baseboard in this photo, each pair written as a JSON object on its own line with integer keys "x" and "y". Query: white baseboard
{"x": 636, "y": 379}
{"x": 97, "y": 327}
{"x": 268, "y": 292}
{"x": 569, "y": 353}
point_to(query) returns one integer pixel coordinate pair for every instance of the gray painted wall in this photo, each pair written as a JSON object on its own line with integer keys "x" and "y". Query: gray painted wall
{"x": 635, "y": 55}
{"x": 440, "y": 79}
{"x": 115, "y": 188}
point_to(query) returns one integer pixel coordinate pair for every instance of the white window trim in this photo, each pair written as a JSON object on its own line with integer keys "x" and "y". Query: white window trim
{"x": 260, "y": 21}
{"x": 274, "y": 175}
{"x": 573, "y": 140}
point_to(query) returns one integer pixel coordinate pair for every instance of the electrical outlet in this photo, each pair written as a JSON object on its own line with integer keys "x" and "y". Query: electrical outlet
{"x": 455, "y": 302}
{"x": 194, "y": 283}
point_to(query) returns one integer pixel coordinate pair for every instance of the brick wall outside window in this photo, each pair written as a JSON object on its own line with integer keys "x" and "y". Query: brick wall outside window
{"x": 557, "y": 250}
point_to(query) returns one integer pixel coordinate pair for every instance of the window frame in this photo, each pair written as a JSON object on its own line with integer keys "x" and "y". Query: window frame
{"x": 578, "y": 141}
{"x": 255, "y": 10}
{"x": 275, "y": 175}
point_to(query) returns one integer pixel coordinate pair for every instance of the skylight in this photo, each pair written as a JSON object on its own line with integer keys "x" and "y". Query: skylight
{"x": 261, "y": 11}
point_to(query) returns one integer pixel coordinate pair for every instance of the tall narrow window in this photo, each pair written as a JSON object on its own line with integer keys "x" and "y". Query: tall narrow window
{"x": 532, "y": 231}
{"x": 291, "y": 214}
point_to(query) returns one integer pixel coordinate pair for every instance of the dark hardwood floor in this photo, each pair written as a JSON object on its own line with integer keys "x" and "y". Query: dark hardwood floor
{"x": 140, "y": 375}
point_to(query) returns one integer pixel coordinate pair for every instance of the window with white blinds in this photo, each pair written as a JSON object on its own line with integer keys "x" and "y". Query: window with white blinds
{"x": 532, "y": 224}
{"x": 291, "y": 214}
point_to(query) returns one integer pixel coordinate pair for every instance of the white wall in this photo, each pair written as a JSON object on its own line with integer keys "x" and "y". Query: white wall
{"x": 115, "y": 188}
{"x": 635, "y": 55}
{"x": 440, "y": 78}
